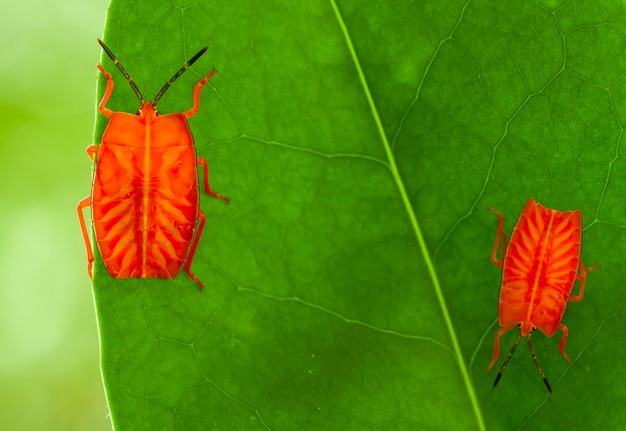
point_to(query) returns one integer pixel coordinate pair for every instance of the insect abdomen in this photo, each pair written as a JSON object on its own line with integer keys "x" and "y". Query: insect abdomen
{"x": 540, "y": 268}
{"x": 147, "y": 202}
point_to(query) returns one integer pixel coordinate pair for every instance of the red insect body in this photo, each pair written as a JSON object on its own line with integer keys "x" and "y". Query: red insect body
{"x": 540, "y": 266}
{"x": 145, "y": 201}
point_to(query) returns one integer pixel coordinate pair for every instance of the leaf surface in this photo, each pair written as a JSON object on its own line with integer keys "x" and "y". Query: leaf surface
{"x": 348, "y": 284}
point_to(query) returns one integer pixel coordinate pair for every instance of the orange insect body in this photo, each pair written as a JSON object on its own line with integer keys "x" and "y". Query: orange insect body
{"x": 540, "y": 266}
{"x": 145, "y": 200}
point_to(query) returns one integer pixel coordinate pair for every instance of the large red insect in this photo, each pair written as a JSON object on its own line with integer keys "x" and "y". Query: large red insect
{"x": 144, "y": 200}
{"x": 540, "y": 266}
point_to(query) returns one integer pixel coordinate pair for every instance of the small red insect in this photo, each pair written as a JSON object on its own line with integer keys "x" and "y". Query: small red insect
{"x": 539, "y": 269}
{"x": 145, "y": 201}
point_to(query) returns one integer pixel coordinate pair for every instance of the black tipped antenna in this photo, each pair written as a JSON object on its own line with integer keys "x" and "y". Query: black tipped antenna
{"x": 543, "y": 376}
{"x": 121, "y": 68}
{"x": 532, "y": 352}
{"x": 506, "y": 361}
{"x": 177, "y": 74}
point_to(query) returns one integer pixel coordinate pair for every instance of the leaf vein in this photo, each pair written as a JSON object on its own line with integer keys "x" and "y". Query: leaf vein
{"x": 312, "y": 151}
{"x": 494, "y": 151}
{"x": 346, "y": 319}
{"x": 458, "y": 354}
{"x": 425, "y": 74}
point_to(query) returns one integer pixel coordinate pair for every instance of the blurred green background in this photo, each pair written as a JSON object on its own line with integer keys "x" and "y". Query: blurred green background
{"x": 49, "y": 370}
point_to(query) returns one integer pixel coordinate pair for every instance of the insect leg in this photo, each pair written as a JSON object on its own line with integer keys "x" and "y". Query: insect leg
{"x": 192, "y": 251}
{"x": 207, "y": 186}
{"x": 543, "y": 376}
{"x": 496, "y": 349}
{"x": 107, "y": 93}
{"x": 563, "y": 328}
{"x": 92, "y": 150}
{"x": 501, "y": 235}
{"x": 196, "y": 95}
{"x": 84, "y": 203}
{"x": 582, "y": 277}
{"x": 506, "y": 361}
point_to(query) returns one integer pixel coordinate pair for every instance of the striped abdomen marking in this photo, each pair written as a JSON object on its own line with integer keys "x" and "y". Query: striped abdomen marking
{"x": 146, "y": 190}
{"x": 540, "y": 268}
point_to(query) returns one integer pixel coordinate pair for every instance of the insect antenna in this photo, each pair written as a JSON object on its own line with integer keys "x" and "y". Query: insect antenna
{"x": 177, "y": 74}
{"x": 506, "y": 361}
{"x": 121, "y": 68}
{"x": 543, "y": 376}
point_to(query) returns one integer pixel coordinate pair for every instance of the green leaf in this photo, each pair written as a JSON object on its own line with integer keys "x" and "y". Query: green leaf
{"x": 348, "y": 284}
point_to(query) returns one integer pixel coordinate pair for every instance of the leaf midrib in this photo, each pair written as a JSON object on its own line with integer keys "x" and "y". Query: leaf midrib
{"x": 412, "y": 219}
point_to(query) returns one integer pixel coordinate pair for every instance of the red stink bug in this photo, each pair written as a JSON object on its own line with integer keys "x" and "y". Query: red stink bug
{"x": 145, "y": 198}
{"x": 540, "y": 266}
